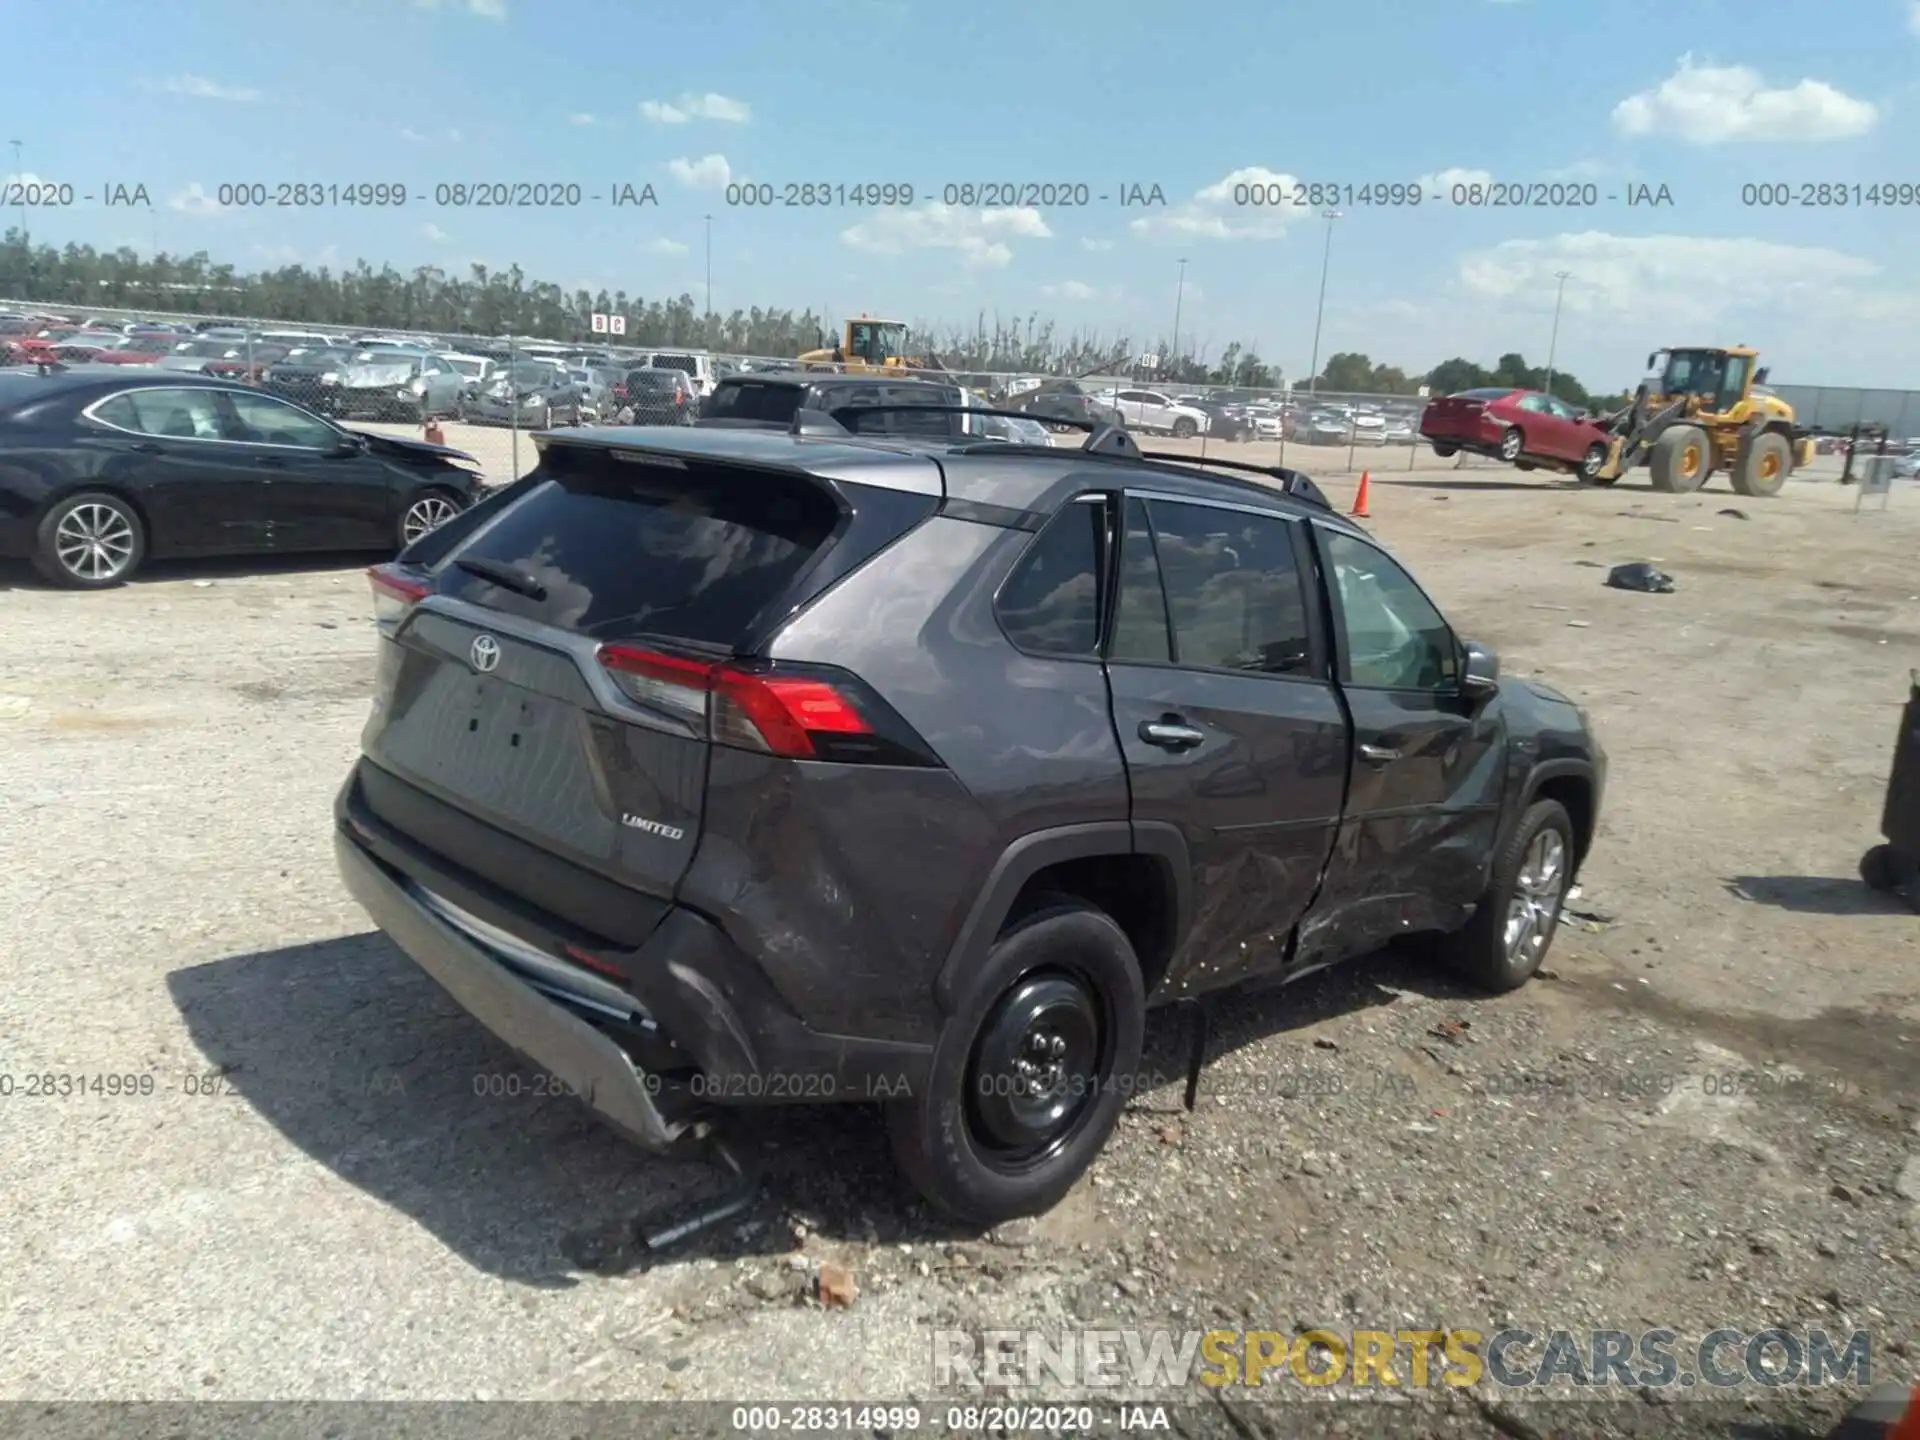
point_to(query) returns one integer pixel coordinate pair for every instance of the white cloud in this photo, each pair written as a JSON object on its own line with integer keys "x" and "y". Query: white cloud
{"x": 581, "y": 117}
{"x": 1233, "y": 208}
{"x": 412, "y": 136}
{"x": 434, "y": 233}
{"x": 1070, "y": 290}
{"x": 1913, "y": 16}
{"x": 979, "y": 235}
{"x": 194, "y": 200}
{"x": 1714, "y": 104}
{"x": 709, "y": 172}
{"x": 1108, "y": 244}
{"x": 1586, "y": 169}
{"x": 697, "y": 107}
{"x": 25, "y": 179}
{"x": 664, "y": 246}
{"x": 1653, "y": 281}
{"x": 486, "y": 9}
{"x": 1441, "y": 182}
{"x": 198, "y": 87}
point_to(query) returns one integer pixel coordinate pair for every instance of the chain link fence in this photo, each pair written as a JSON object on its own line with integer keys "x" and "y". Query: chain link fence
{"x": 483, "y": 393}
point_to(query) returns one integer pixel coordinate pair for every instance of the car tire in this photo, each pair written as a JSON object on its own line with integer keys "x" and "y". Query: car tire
{"x": 1681, "y": 460}
{"x": 1513, "y": 444}
{"x": 1445, "y": 450}
{"x": 426, "y": 510}
{"x": 1184, "y": 429}
{"x": 1064, "y": 972}
{"x": 90, "y": 541}
{"x": 1885, "y": 868}
{"x": 1762, "y": 471}
{"x": 1513, "y": 925}
{"x": 1590, "y": 464}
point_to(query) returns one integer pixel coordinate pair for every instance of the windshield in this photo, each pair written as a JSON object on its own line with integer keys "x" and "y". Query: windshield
{"x": 532, "y": 372}
{"x": 472, "y": 369}
{"x": 384, "y": 357}
{"x": 877, "y": 340}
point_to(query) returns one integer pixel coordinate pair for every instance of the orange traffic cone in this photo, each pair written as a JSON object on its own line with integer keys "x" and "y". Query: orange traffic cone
{"x": 1359, "y": 511}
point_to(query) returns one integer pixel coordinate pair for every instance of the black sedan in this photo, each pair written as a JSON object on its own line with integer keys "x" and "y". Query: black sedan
{"x": 101, "y": 470}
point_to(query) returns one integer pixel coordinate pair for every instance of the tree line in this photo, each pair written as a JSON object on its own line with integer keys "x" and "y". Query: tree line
{"x": 487, "y": 301}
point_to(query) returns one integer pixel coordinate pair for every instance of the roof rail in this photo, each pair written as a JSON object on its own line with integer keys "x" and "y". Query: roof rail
{"x": 1293, "y": 482}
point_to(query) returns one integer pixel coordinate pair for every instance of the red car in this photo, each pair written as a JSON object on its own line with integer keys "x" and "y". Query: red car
{"x": 1526, "y": 428}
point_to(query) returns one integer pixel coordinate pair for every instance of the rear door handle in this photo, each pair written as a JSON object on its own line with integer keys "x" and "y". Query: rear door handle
{"x": 1170, "y": 734}
{"x": 1379, "y": 754}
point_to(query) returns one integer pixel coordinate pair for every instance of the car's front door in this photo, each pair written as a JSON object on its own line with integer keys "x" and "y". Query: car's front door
{"x": 1428, "y": 763}
{"x": 203, "y": 494}
{"x": 323, "y": 498}
{"x": 1548, "y": 432}
{"x": 1226, "y": 714}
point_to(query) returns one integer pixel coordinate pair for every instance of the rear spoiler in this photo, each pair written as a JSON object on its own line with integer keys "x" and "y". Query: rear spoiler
{"x": 1102, "y": 439}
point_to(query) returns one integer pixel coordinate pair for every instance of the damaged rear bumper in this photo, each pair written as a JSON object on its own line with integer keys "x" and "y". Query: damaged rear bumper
{"x": 581, "y": 1057}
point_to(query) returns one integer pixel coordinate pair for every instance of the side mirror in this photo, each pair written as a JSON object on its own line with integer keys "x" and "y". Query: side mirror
{"x": 1652, "y": 356}
{"x": 350, "y": 444}
{"x": 1760, "y": 375}
{"x": 1480, "y": 672}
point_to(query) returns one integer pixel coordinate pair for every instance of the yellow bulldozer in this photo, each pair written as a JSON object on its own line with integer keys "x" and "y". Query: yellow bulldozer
{"x": 1705, "y": 409}
{"x": 871, "y": 347}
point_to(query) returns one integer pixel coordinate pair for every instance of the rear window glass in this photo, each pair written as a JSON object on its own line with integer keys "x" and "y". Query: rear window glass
{"x": 749, "y": 400}
{"x": 930, "y": 423}
{"x": 627, "y": 550}
{"x": 653, "y": 380}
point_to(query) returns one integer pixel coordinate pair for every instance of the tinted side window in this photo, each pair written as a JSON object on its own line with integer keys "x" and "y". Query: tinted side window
{"x": 1050, "y": 603}
{"x": 1395, "y": 638}
{"x": 1233, "y": 588}
{"x": 1140, "y": 619}
{"x": 750, "y": 401}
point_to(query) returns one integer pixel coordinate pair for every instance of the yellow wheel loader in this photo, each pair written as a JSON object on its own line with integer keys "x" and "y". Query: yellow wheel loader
{"x": 1705, "y": 410}
{"x": 870, "y": 347}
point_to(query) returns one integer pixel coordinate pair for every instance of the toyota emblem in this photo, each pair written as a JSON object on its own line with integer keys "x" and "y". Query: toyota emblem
{"x": 485, "y": 653}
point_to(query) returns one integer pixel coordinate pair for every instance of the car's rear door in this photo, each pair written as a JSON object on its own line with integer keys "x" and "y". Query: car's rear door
{"x": 1227, "y": 717}
{"x": 203, "y": 494}
{"x": 510, "y": 743}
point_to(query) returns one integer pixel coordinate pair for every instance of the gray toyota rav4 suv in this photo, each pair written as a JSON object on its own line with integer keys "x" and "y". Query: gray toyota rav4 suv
{"x": 726, "y": 766}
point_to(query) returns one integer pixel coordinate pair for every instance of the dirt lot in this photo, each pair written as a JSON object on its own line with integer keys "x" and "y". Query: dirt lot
{"x": 347, "y": 1211}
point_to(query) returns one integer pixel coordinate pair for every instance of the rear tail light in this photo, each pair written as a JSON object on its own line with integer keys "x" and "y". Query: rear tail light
{"x": 396, "y": 590}
{"x": 798, "y": 713}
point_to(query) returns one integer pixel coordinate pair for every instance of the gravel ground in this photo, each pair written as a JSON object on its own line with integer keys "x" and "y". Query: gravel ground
{"x": 339, "y": 1187}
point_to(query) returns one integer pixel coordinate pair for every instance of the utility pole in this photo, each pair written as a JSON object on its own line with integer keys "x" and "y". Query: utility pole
{"x": 1319, "y": 313}
{"x": 1179, "y": 294}
{"x": 19, "y": 177}
{"x": 709, "y": 267}
{"x": 1553, "y": 342}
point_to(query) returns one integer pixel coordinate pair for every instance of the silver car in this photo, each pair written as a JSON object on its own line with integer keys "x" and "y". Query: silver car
{"x": 395, "y": 385}
{"x": 532, "y": 394}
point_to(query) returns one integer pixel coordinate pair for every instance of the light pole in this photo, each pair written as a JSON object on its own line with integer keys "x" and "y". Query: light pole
{"x": 709, "y": 267}
{"x": 1319, "y": 313}
{"x": 20, "y": 179}
{"x": 1553, "y": 342}
{"x": 1179, "y": 294}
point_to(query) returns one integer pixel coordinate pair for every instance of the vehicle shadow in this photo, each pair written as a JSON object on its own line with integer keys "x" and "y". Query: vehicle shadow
{"x": 1813, "y": 894}
{"x": 354, "y": 1055}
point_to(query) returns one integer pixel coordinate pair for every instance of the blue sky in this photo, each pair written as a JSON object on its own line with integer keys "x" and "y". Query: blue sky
{"x": 1703, "y": 98}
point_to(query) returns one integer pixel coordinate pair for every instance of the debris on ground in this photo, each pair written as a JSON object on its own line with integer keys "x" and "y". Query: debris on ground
{"x": 1736, "y": 514}
{"x": 1580, "y": 624}
{"x": 1453, "y": 1030}
{"x": 1642, "y": 577}
{"x": 1641, "y": 515}
{"x": 835, "y": 1286}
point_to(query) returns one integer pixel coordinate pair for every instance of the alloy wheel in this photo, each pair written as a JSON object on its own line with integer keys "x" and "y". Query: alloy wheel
{"x": 1535, "y": 907}
{"x": 94, "y": 541}
{"x": 426, "y": 513}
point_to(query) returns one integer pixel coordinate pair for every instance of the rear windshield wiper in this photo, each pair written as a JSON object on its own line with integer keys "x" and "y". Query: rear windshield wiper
{"x": 508, "y": 577}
